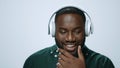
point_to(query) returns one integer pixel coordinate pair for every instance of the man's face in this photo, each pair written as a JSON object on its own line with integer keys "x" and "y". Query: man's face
{"x": 70, "y": 32}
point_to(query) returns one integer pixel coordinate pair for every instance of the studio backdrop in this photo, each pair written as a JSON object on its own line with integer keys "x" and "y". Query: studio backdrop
{"x": 24, "y": 28}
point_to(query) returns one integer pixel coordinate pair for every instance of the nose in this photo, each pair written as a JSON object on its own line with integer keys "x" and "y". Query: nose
{"x": 70, "y": 37}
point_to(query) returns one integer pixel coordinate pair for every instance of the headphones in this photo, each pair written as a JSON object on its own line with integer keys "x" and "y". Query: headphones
{"x": 88, "y": 22}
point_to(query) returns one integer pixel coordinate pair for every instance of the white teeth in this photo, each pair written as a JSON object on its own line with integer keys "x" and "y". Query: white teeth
{"x": 70, "y": 45}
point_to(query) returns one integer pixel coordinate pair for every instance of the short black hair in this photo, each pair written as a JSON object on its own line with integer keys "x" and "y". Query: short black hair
{"x": 70, "y": 9}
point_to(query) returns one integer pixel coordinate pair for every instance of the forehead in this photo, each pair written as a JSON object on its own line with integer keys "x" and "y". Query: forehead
{"x": 69, "y": 20}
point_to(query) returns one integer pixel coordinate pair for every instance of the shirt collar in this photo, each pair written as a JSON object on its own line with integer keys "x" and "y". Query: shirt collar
{"x": 54, "y": 51}
{"x": 86, "y": 51}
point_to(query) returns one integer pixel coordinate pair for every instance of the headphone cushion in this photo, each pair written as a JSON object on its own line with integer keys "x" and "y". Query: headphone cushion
{"x": 87, "y": 28}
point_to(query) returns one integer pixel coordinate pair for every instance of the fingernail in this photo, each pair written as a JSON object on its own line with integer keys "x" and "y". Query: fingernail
{"x": 79, "y": 47}
{"x": 59, "y": 58}
{"x": 58, "y": 63}
{"x": 59, "y": 53}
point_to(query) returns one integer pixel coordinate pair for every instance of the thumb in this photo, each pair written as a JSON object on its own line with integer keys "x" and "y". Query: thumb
{"x": 80, "y": 55}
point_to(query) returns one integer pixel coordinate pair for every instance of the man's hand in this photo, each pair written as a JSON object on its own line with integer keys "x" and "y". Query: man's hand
{"x": 66, "y": 60}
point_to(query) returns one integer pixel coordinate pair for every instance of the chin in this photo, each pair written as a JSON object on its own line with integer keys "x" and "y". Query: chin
{"x": 74, "y": 53}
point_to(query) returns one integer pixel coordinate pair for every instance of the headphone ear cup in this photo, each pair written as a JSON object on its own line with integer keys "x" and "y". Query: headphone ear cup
{"x": 87, "y": 28}
{"x": 51, "y": 25}
{"x": 53, "y": 29}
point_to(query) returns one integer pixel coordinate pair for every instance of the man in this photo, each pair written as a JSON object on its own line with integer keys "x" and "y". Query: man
{"x": 70, "y": 30}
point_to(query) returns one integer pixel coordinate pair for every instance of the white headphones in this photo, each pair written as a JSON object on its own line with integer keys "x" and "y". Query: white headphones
{"x": 88, "y": 25}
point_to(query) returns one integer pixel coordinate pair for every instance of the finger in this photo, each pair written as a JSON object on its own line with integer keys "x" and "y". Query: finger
{"x": 59, "y": 65}
{"x": 80, "y": 54}
{"x": 65, "y": 53}
{"x": 64, "y": 58}
{"x": 61, "y": 62}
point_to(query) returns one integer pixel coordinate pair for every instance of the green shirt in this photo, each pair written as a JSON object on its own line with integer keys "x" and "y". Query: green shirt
{"x": 47, "y": 58}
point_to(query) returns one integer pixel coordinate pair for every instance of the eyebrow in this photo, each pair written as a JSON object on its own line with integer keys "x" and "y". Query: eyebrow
{"x": 62, "y": 28}
{"x": 78, "y": 27}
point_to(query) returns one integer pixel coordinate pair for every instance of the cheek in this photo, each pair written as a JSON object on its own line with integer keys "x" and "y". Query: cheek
{"x": 80, "y": 37}
{"x": 59, "y": 37}
{"x": 59, "y": 40}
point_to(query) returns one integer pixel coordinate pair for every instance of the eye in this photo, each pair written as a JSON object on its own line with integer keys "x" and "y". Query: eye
{"x": 77, "y": 31}
{"x": 62, "y": 31}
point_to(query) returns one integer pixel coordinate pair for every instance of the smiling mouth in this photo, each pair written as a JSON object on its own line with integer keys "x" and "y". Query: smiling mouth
{"x": 70, "y": 47}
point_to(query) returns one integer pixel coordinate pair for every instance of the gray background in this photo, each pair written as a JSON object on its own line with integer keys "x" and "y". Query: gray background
{"x": 23, "y": 28}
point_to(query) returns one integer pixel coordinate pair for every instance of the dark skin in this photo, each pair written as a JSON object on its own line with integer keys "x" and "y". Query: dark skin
{"x": 70, "y": 36}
